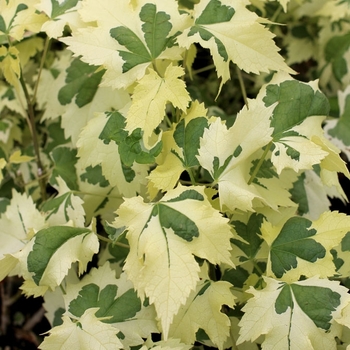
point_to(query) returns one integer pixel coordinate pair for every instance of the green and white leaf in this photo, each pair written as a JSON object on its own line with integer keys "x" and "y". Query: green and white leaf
{"x": 18, "y": 224}
{"x": 93, "y": 151}
{"x": 117, "y": 304}
{"x": 84, "y": 332}
{"x": 180, "y": 147}
{"x": 52, "y": 251}
{"x": 301, "y": 247}
{"x": 150, "y": 97}
{"x": 296, "y": 118}
{"x": 163, "y": 239}
{"x": 61, "y": 14}
{"x": 224, "y": 153}
{"x": 127, "y": 50}
{"x": 294, "y": 316}
{"x": 203, "y": 310}
{"x": 233, "y": 33}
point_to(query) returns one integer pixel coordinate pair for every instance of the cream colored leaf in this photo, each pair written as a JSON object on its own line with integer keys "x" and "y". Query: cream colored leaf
{"x": 19, "y": 222}
{"x": 171, "y": 162}
{"x": 10, "y": 64}
{"x": 203, "y": 310}
{"x": 284, "y": 315}
{"x": 17, "y": 158}
{"x": 97, "y": 46}
{"x": 302, "y": 247}
{"x": 163, "y": 238}
{"x": 233, "y": 39}
{"x": 224, "y": 152}
{"x": 93, "y": 151}
{"x": 150, "y": 97}
{"x": 87, "y": 332}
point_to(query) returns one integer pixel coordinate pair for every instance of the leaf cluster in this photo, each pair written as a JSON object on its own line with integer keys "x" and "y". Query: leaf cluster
{"x": 167, "y": 169}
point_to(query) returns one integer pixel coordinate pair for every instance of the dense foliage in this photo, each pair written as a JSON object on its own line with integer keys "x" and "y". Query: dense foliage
{"x": 167, "y": 169}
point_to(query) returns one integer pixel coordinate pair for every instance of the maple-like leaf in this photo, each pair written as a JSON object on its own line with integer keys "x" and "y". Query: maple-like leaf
{"x": 126, "y": 50}
{"x": 150, "y": 97}
{"x": 338, "y": 130}
{"x": 45, "y": 259}
{"x": 301, "y": 247}
{"x": 203, "y": 310}
{"x": 84, "y": 332}
{"x": 10, "y": 65}
{"x": 18, "y": 224}
{"x": 163, "y": 239}
{"x": 294, "y": 316}
{"x": 224, "y": 153}
{"x": 180, "y": 147}
{"x": 297, "y": 117}
{"x": 60, "y": 14}
{"x": 233, "y": 33}
{"x": 94, "y": 149}
{"x": 17, "y": 17}
{"x": 65, "y": 207}
{"x": 117, "y": 304}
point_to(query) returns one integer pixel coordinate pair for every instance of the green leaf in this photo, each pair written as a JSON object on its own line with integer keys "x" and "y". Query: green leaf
{"x": 59, "y": 8}
{"x": 345, "y": 243}
{"x": 130, "y": 146}
{"x": 114, "y": 128}
{"x": 182, "y": 225}
{"x": 342, "y": 128}
{"x": 188, "y": 194}
{"x": 53, "y": 205}
{"x": 47, "y": 242}
{"x": 296, "y": 102}
{"x": 334, "y": 54}
{"x": 117, "y": 309}
{"x": 65, "y": 160}
{"x": 317, "y": 302}
{"x": 156, "y": 28}
{"x": 299, "y": 196}
{"x": 188, "y": 139}
{"x": 284, "y": 300}
{"x": 137, "y": 53}
{"x": 250, "y": 232}
{"x": 294, "y": 241}
{"x": 82, "y": 82}
{"x": 94, "y": 176}
{"x": 215, "y": 12}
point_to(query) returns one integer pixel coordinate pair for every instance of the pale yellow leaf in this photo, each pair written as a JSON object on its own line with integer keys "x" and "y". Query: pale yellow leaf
{"x": 150, "y": 97}
{"x": 17, "y": 158}
{"x": 224, "y": 152}
{"x": 239, "y": 38}
{"x": 10, "y": 64}
{"x": 203, "y": 310}
{"x": 292, "y": 328}
{"x": 88, "y": 333}
{"x": 161, "y": 262}
{"x": 93, "y": 151}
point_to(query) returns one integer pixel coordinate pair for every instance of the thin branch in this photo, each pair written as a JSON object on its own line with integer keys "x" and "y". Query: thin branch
{"x": 241, "y": 84}
{"x": 42, "y": 62}
{"x": 256, "y": 169}
{"x": 31, "y": 123}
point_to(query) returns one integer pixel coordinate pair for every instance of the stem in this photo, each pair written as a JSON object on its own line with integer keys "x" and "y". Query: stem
{"x": 256, "y": 169}
{"x": 105, "y": 239}
{"x": 42, "y": 62}
{"x": 241, "y": 84}
{"x": 204, "y": 69}
{"x": 31, "y": 123}
{"x": 190, "y": 173}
